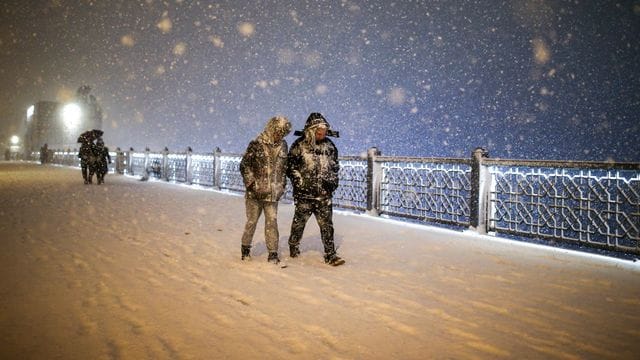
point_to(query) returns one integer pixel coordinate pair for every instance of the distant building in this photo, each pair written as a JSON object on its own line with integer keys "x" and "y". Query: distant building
{"x": 49, "y": 122}
{"x": 44, "y": 126}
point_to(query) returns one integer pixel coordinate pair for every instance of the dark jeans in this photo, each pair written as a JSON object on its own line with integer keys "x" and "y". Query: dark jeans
{"x": 87, "y": 170}
{"x": 323, "y": 210}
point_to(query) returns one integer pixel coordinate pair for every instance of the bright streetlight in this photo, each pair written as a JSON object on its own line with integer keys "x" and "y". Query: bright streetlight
{"x": 30, "y": 112}
{"x": 71, "y": 114}
{"x": 15, "y": 140}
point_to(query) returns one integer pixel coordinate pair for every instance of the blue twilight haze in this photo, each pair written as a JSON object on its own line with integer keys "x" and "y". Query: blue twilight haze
{"x": 532, "y": 79}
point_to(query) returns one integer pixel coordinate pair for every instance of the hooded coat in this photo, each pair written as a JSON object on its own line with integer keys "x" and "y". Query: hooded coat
{"x": 264, "y": 163}
{"x": 313, "y": 165}
{"x": 86, "y": 153}
{"x": 103, "y": 158}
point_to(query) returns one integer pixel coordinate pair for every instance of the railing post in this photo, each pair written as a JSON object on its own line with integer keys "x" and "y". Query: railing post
{"x": 129, "y": 162}
{"x": 217, "y": 172}
{"x": 479, "y": 187}
{"x": 165, "y": 164}
{"x": 146, "y": 161}
{"x": 189, "y": 171}
{"x": 374, "y": 176}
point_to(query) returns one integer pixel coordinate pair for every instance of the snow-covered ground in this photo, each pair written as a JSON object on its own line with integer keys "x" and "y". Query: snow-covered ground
{"x": 150, "y": 270}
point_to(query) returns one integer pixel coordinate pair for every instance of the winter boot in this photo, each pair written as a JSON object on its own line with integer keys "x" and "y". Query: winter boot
{"x": 294, "y": 251}
{"x": 246, "y": 252}
{"x": 273, "y": 258}
{"x": 333, "y": 260}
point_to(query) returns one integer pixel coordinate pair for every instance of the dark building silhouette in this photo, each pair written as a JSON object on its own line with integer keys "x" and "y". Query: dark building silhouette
{"x": 47, "y": 123}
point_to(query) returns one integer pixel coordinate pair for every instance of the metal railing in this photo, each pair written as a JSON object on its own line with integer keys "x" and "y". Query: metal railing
{"x": 595, "y": 204}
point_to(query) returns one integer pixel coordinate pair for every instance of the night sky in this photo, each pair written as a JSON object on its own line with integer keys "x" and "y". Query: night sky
{"x": 530, "y": 79}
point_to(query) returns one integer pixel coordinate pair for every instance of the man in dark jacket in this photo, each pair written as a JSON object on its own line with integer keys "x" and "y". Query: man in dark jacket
{"x": 87, "y": 160}
{"x": 44, "y": 154}
{"x": 263, "y": 173}
{"x": 313, "y": 170}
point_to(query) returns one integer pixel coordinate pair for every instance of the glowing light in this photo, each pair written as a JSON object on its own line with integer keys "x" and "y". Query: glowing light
{"x": 71, "y": 114}
{"x": 246, "y": 29}
{"x": 30, "y": 111}
{"x": 15, "y": 140}
{"x": 165, "y": 24}
{"x": 128, "y": 40}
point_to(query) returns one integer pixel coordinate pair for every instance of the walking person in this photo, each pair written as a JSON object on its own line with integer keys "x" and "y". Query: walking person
{"x": 263, "y": 169}
{"x": 87, "y": 160}
{"x": 103, "y": 158}
{"x": 44, "y": 154}
{"x": 313, "y": 170}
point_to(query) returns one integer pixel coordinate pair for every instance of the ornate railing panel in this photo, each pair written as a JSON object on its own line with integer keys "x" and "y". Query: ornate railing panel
{"x": 65, "y": 158}
{"x": 137, "y": 163}
{"x": 202, "y": 169}
{"x": 177, "y": 167}
{"x": 154, "y": 165}
{"x": 431, "y": 192}
{"x": 352, "y": 191}
{"x": 597, "y": 207}
{"x": 230, "y": 177}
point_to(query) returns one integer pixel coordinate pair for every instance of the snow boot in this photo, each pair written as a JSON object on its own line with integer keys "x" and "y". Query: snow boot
{"x": 294, "y": 251}
{"x": 333, "y": 260}
{"x": 246, "y": 252}
{"x": 273, "y": 258}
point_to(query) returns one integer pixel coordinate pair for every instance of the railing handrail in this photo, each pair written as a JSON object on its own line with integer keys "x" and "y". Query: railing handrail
{"x": 572, "y": 164}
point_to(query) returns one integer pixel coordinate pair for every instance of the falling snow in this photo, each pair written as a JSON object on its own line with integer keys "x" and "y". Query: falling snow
{"x": 524, "y": 79}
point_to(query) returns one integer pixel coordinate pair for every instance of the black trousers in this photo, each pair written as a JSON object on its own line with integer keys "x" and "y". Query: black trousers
{"x": 87, "y": 170}
{"x": 323, "y": 211}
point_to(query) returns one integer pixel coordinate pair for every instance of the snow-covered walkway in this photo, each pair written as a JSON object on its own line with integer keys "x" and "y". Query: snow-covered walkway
{"x": 150, "y": 270}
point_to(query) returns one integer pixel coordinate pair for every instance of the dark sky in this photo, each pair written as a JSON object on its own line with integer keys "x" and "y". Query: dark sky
{"x": 536, "y": 79}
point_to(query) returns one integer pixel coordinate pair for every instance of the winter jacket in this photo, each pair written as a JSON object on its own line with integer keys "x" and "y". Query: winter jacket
{"x": 86, "y": 153}
{"x": 313, "y": 166}
{"x": 103, "y": 158}
{"x": 313, "y": 171}
{"x": 264, "y": 163}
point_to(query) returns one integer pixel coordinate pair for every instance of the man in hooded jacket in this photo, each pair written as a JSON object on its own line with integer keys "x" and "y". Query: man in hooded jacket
{"x": 312, "y": 167}
{"x": 263, "y": 169}
{"x": 103, "y": 159}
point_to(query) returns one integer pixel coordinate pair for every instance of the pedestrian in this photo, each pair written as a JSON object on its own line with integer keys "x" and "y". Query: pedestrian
{"x": 44, "y": 154}
{"x": 87, "y": 160}
{"x": 119, "y": 161}
{"x": 103, "y": 158}
{"x": 263, "y": 168}
{"x": 313, "y": 170}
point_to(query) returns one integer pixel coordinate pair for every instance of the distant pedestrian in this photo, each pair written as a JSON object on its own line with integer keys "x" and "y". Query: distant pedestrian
{"x": 154, "y": 169}
{"x": 119, "y": 161}
{"x": 263, "y": 169}
{"x": 313, "y": 170}
{"x": 87, "y": 160}
{"x": 44, "y": 154}
{"x": 103, "y": 158}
